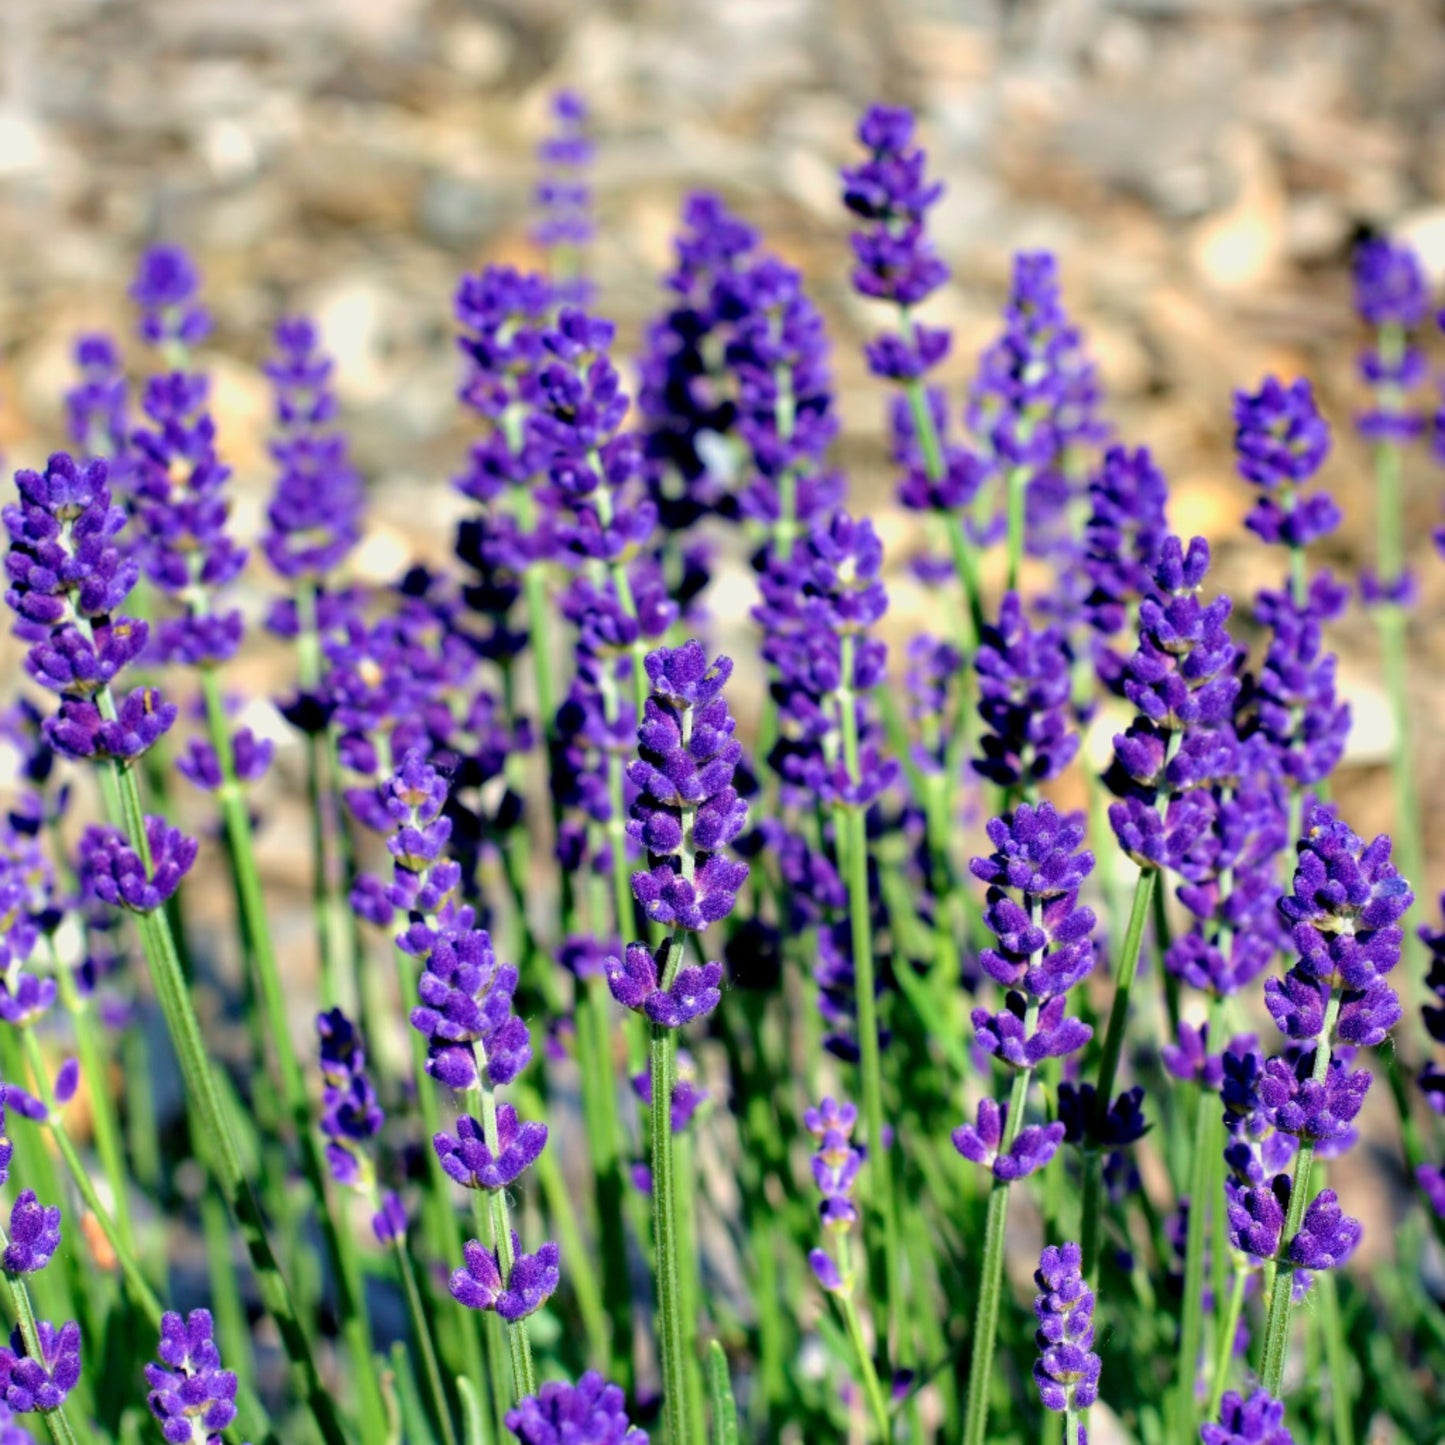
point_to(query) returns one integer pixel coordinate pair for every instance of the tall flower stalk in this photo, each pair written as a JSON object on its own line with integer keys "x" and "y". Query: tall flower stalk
{"x": 687, "y": 811}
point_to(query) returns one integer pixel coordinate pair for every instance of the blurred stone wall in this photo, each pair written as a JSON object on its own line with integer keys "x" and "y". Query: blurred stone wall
{"x": 1201, "y": 166}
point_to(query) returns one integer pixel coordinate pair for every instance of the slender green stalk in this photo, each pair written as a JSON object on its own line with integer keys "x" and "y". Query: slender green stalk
{"x": 1391, "y": 619}
{"x": 1191, "y": 1323}
{"x": 426, "y": 1346}
{"x": 218, "y": 1136}
{"x": 136, "y": 1282}
{"x": 671, "y": 1340}
{"x": 1015, "y": 483}
{"x": 340, "y": 1248}
{"x": 108, "y": 1143}
{"x": 1073, "y": 1426}
{"x": 690, "y": 1284}
{"x": 1224, "y": 1337}
{"x": 872, "y": 1389}
{"x": 519, "y": 1340}
{"x": 1281, "y": 1294}
{"x": 1124, "y": 974}
{"x": 990, "y": 1290}
{"x": 56, "y": 1421}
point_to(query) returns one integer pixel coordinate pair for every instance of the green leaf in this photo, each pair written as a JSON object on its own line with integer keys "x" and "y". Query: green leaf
{"x": 474, "y": 1428}
{"x": 720, "y": 1389}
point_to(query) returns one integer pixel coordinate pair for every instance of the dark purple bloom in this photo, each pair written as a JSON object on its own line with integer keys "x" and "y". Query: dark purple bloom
{"x": 1347, "y": 902}
{"x": 1392, "y": 296}
{"x": 466, "y": 1006}
{"x": 1024, "y": 688}
{"x": 982, "y": 1143}
{"x": 1067, "y": 1370}
{"x": 96, "y": 407}
{"x": 114, "y": 872}
{"x": 41, "y": 1384}
{"x": 1036, "y": 394}
{"x": 314, "y": 517}
{"x": 1256, "y": 1214}
{"x": 189, "y": 1391}
{"x": 634, "y": 981}
{"x": 564, "y": 197}
{"x": 1390, "y": 284}
{"x": 165, "y": 289}
{"x": 1308, "y": 1108}
{"x": 351, "y": 1117}
{"x": 891, "y": 195}
{"x": 1256, "y": 1421}
{"x": 469, "y": 1161}
{"x": 1280, "y": 438}
{"x": 1038, "y": 864}
{"x": 1005, "y": 1035}
{"x": 1432, "y": 1184}
{"x": 1122, "y": 1124}
{"x": 591, "y": 1412}
{"x": 1189, "y": 1058}
{"x": 532, "y": 1281}
{"x": 1327, "y": 1237}
{"x": 250, "y": 758}
{"x": 34, "y": 1234}
{"x": 389, "y": 1223}
{"x": 836, "y": 1163}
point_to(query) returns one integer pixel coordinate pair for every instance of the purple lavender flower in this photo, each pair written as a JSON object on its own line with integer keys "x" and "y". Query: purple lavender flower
{"x": 1125, "y": 533}
{"x": 1088, "y": 1126}
{"x": 116, "y": 874}
{"x": 41, "y": 1384}
{"x": 165, "y": 288}
{"x": 891, "y": 196}
{"x": 1393, "y": 297}
{"x": 1280, "y": 438}
{"x": 531, "y": 1282}
{"x": 34, "y": 1234}
{"x": 351, "y": 1117}
{"x": 689, "y": 392}
{"x": 190, "y": 1394}
{"x": 181, "y": 510}
{"x": 314, "y": 517}
{"x": 1256, "y": 1214}
{"x": 250, "y": 759}
{"x": 1256, "y": 1421}
{"x": 564, "y": 197}
{"x": 1347, "y": 902}
{"x": 835, "y": 1171}
{"x": 1024, "y": 692}
{"x": 97, "y": 406}
{"x": 1327, "y": 1237}
{"x": 591, "y": 1412}
{"x": 1036, "y": 394}
{"x": 983, "y": 1143}
{"x": 1067, "y": 1370}
{"x": 469, "y": 1161}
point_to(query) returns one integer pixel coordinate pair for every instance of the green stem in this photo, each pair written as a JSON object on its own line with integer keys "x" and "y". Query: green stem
{"x": 103, "y": 1116}
{"x": 219, "y": 1142}
{"x": 1191, "y": 1324}
{"x": 1124, "y": 975}
{"x": 671, "y": 1340}
{"x": 1015, "y": 489}
{"x": 519, "y": 1340}
{"x": 1224, "y": 1338}
{"x": 872, "y": 1389}
{"x": 426, "y": 1346}
{"x": 690, "y": 1291}
{"x": 340, "y": 1247}
{"x": 56, "y": 1421}
{"x": 1281, "y": 1295}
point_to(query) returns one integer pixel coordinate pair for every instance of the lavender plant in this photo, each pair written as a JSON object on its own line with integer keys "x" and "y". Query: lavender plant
{"x": 478, "y": 1199}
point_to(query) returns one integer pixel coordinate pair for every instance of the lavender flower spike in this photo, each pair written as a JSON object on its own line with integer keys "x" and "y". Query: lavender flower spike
{"x": 591, "y": 1412}
{"x": 41, "y": 1384}
{"x": 1256, "y": 1421}
{"x": 1067, "y": 1370}
{"x": 34, "y": 1234}
{"x": 530, "y": 1284}
{"x": 190, "y": 1394}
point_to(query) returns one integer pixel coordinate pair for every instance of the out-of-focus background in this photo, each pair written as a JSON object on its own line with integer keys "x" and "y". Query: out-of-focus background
{"x": 1202, "y": 168}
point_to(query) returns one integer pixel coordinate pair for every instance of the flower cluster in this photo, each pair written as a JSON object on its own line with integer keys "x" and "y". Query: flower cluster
{"x": 1043, "y": 949}
{"x": 314, "y": 517}
{"x": 564, "y": 197}
{"x": 190, "y": 1394}
{"x": 687, "y": 810}
{"x": 591, "y": 1412}
{"x": 67, "y": 577}
{"x": 835, "y": 1171}
{"x": 1067, "y": 1370}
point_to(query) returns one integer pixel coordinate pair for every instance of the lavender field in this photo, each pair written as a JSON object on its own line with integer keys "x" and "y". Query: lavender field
{"x": 719, "y": 723}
